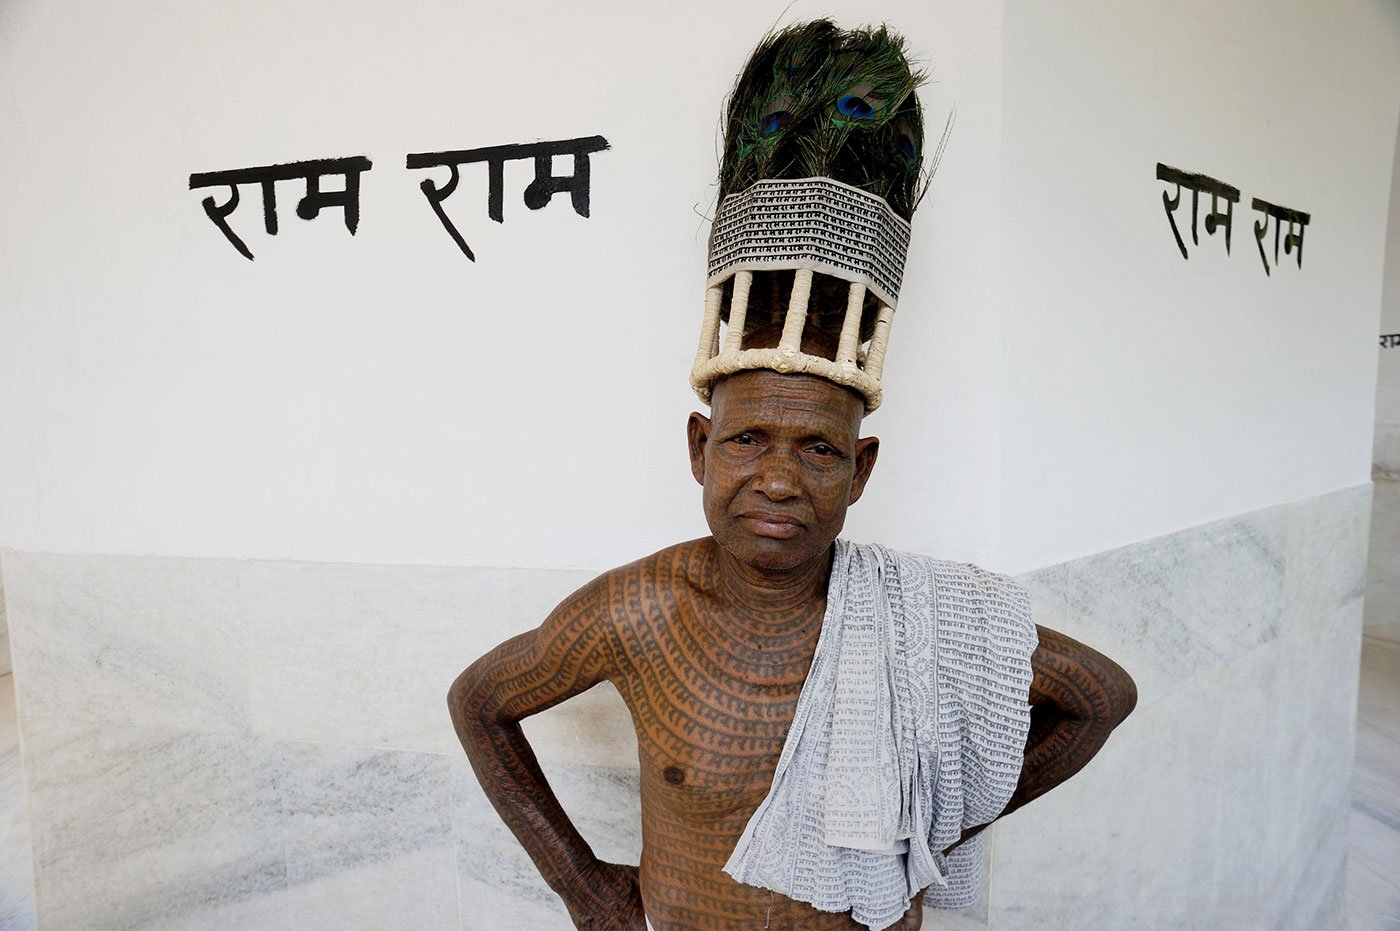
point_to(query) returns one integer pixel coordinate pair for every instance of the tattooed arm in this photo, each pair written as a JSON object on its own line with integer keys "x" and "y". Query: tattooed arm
{"x": 1078, "y": 696}
{"x": 566, "y": 655}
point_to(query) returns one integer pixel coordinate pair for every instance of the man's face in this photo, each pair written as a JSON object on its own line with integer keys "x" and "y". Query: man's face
{"x": 781, "y": 461}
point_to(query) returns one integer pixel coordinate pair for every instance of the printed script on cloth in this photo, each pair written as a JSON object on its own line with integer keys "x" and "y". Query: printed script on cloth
{"x": 909, "y": 729}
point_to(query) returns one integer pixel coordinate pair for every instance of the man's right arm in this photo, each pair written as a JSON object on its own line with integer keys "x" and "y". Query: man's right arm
{"x": 568, "y": 654}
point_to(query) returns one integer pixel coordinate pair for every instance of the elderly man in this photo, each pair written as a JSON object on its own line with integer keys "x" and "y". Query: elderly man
{"x": 821, "y": 725}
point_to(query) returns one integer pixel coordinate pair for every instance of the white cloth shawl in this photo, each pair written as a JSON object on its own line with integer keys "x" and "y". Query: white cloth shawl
{"x": 910, "y": 727}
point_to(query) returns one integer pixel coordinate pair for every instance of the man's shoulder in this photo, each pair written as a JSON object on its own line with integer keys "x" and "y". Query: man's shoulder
{"x": 664, "y": 567}
{"x": 644, "y": 584}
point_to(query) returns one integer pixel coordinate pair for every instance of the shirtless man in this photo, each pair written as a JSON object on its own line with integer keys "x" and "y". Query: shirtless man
{"x": 709, "y": 643}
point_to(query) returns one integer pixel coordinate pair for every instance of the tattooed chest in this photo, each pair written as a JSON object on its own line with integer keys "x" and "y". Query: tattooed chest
{"x": 701, "y": 770}
{"x": 710, "y": 745}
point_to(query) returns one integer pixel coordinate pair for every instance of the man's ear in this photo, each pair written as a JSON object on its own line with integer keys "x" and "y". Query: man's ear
{"x": 867, "y": 451}
{"x": 697, "y": 433}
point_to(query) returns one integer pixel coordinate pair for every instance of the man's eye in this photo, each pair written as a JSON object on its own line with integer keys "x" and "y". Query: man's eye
{"x": 821, "y": 449}
{"x": 745, "y": 439}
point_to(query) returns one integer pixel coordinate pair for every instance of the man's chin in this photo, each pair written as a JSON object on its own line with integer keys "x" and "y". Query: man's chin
{"x": 771, "y": 554}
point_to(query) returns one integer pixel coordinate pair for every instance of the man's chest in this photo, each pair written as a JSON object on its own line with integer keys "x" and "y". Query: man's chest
{"x": 712, "y": 711}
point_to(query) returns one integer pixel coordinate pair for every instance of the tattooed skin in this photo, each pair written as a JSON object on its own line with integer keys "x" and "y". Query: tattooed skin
{"x": 709, "y": 643}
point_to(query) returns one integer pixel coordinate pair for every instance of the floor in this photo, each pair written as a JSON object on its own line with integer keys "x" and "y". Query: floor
{"x": 1373, "y": 864}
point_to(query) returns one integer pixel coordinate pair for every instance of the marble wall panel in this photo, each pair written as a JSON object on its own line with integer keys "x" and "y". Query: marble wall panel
{"x": 1049, "y": 591}
{"x": 365, "y": 654}
{"x": 16, "y": 867}
{"x": 1172, "y": 607}
{"x": 1385, "y": 451}
{"x": 157, "y": 829}
{"x": 1383, "y": 569}
{"x": 1312, "y": 717}
{"x": 1328, "y": 539}
{"x": 222, "y": 744}
{"x": 592, "y": 729}
{"x": 368, "y": 838}
{"x": 1075, "y": 857}
{"x": 128, "y": 640}
{"x": 1234, "y": 773}
{"x": 500, "y": 886}
{"x": 143, "y": 828}
{"x": 1157, "y": 831}
{"x": 4, "y": 628}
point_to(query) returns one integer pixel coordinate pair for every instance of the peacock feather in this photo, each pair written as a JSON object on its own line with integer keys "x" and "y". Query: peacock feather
{"x": 816, "y": 100}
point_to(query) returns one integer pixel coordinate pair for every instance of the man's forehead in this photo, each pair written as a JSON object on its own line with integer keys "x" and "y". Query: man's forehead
{"x": 786, "y": 396}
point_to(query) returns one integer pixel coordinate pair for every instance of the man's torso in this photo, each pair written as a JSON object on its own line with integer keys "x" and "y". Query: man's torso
{"x": 712, "y": 688}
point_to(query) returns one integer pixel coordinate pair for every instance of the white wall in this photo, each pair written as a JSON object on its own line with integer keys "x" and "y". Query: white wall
{"x": 1060, "y": 383}
{"x": 1144, "y": 393}
{"x": 1386, "y": 454}
{"x": 380, "y": 398}
{"x": 1383, "y": 573}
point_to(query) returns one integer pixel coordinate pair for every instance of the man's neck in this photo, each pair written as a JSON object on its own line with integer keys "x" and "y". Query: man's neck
{"x": 776, "y": 597}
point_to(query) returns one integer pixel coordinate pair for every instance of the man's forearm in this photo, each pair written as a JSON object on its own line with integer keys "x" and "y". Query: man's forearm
{"x": 1079, "y": 697}
{"x": 511, "y": 777}
{"x": 1057, "y": 747}
{"x": 1093, "y": 696}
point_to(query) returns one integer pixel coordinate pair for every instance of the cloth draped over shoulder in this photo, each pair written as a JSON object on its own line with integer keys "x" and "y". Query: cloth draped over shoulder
{"x": 909, "y": 729}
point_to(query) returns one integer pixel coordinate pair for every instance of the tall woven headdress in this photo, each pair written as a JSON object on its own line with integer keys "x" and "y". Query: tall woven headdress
{"x": 821, "y": 172}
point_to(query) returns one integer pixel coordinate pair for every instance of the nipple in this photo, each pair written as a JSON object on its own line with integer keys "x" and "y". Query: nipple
{"x": 674, "y": 775}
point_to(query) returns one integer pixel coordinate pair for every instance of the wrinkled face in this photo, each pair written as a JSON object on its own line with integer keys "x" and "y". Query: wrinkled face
{"x": 780, "y": 460}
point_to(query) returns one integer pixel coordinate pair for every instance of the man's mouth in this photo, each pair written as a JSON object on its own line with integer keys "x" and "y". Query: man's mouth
{"x": 767, "y": 524}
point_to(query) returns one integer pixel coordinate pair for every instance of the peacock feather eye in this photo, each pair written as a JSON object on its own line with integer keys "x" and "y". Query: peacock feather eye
{"x": 861, "y": 102}
{"x": 813, "y": 91}
{"x": 854, "y": 107}
{"x": 771, "y": 123}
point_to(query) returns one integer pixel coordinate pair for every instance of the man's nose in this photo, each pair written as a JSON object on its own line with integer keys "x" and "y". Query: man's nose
{"x": 777, "y": 476}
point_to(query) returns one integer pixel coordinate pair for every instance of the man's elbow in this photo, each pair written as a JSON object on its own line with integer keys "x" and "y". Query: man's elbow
{"x": 1120, "y": 691}
{"x": 465, "y": 698}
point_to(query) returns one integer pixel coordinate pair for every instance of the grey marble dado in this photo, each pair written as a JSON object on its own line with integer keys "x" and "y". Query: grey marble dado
{"x": 1328, "y": 543}
{"x": 128, "y": 640}
{"x": 368, "y": 836}
{"x": 1222, "y": 802}
{"x": 365, "y": 654}
{"x": 500, "y": 886}
{"x": 154, "y": 829}
{"x": 303, "y": 651}
{"x": 1180, "y": 604}
{"x": 1385, "y": 451}
{"x": 1172, "y": 607}
{"x": 5, "y": 667}
{"x": 145, "y": 828}
{"x": 1222, "y": 805}
{"x": 16, "y": 868}
{"x": 1383, "y": 569}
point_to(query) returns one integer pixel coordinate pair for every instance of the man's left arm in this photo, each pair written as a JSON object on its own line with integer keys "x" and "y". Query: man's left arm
{"x": 1077, "y": 696}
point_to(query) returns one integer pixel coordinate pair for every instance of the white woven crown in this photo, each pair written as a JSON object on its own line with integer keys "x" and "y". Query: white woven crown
{"x": 809, "y": 225}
